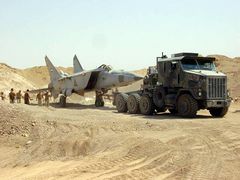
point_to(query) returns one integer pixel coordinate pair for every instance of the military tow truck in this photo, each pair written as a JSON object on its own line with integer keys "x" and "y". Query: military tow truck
{"x": 182, "y": 84}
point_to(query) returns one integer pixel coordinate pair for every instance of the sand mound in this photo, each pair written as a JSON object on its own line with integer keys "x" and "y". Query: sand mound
{"x": 9, "y": 121}
{"x": 10, "y": 78}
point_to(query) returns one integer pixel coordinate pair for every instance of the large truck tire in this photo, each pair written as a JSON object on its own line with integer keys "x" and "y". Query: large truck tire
{"x": 62, "y": 100}
{"x": 121, "y": 102}
{"x": 146, "y": 105}
{"x": 187, "y": 106}
{"x": 218, "y": 112}
{"x": 133, "y": 103}
{"x": 158, "y": 97}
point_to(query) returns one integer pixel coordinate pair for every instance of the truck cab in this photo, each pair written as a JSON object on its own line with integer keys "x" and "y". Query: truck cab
{"x": 183, "y": 84}
{"x": 191, "y": 75}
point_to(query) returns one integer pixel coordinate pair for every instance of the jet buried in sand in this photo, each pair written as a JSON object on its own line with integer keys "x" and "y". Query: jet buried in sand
{"x": 100, "y": 80}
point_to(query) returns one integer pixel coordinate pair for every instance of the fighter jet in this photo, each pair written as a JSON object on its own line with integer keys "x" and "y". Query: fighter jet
{"x": 100, "y": 80}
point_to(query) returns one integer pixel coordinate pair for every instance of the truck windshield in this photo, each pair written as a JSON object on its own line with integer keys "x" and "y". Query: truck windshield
{"x": 206, "y": 65}
{"x": 188, "y": 64}
{"x": 191, "y": 64}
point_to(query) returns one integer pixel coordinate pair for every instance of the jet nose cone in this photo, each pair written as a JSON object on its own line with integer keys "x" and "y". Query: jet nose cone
{"x": 137, "y": 78}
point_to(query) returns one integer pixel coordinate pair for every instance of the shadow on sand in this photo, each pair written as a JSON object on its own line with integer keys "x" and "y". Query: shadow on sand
{"x": 80, "y": 106}
{"x": 159, "y": 116}
{"x": 164, "y": 116}
{"x": 167, "y": 116}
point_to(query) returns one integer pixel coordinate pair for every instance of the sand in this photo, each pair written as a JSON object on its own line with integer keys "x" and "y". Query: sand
{"x": 83, "y": 142}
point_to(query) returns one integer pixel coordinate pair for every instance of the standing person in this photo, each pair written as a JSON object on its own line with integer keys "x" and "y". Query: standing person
{"x": 27, "y": 97}
{"x": 12, "y": 96}
{"x": 19, "y": 96}
{"x": 39, "y": 98}
{"x": 46, "y": 99}
{"x": 2, "y": 96}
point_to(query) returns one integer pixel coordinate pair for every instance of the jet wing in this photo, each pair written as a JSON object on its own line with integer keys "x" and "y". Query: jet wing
{"x": 83, "y": 73}
{"x": 39, "y": 90}
{"x": 85, "y": 80}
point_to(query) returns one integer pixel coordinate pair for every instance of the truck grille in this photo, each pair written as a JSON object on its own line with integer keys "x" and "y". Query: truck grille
{"x": 217, "y": 87}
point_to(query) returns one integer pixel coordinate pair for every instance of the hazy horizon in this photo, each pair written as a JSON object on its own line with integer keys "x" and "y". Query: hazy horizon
{"x": 125, "y": 34}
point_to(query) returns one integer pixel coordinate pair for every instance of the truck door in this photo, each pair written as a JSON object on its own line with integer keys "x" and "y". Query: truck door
{"x": 173, "y": 74}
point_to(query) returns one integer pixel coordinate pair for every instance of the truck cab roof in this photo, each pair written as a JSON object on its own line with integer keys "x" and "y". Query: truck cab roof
{"x": 180, "y": 56}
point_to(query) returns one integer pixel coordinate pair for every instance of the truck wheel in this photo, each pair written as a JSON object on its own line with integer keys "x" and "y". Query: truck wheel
{"x": 218, "y": 112}
{"x": 158, "y": 97}
{"x": 146, "y": 105}
{"x": 121, "y": 102}
{"x": 62, "y": 101}
{"x": 187, "y": 106}
{"x": 133, "y": 103}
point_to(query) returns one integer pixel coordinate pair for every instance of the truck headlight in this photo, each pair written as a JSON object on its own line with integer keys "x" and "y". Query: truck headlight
{"x": 199, "y": 92}
{"x": 228, "y": 93}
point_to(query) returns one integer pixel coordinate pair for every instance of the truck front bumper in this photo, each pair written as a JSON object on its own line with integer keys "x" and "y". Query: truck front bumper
{"x": 218, "y": 103}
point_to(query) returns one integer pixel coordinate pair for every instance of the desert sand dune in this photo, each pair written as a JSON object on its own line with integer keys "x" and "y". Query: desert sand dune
{"x": 10, "y": 77}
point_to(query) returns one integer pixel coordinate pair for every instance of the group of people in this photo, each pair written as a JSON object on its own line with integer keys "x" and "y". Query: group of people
{"x": 42, "y": 97}
{"x": 13, "y": 97}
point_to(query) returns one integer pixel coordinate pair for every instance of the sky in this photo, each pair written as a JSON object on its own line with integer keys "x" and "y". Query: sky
{"x": 127, "y": 34}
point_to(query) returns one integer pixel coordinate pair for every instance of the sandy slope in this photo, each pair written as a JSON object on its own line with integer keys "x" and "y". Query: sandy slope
{"x": 39, "y": 75}
{"x": 231, "y": 67}
{"x": 10, "y": 78}
{"x": 82, "y": 142}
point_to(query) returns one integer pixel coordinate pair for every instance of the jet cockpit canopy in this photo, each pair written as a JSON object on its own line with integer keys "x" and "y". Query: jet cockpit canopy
{"x": 105, "y": 67}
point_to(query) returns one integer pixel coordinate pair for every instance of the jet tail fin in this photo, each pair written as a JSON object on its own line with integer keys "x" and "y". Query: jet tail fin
{"x": 54, "y": 74}
{"x": 77, "y": 67}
